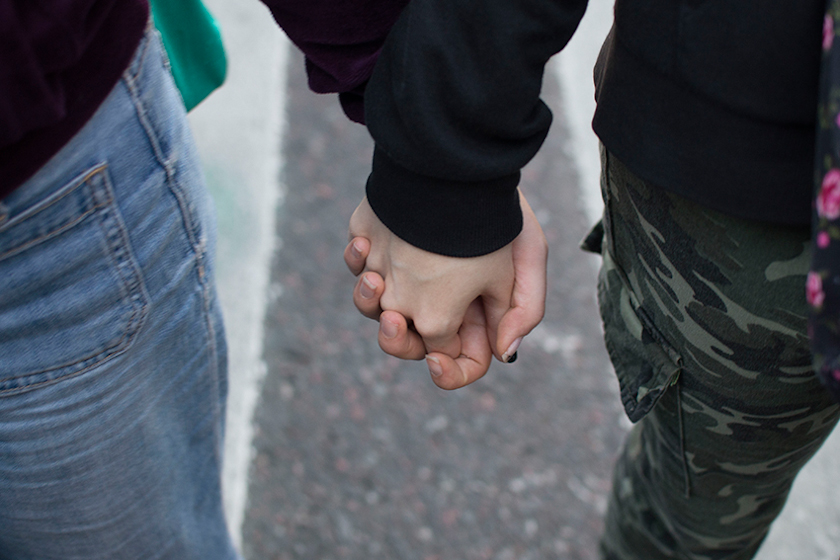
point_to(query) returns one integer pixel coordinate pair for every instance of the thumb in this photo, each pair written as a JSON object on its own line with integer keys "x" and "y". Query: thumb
{"x": 527, "y": 304}
{"x": 513, "y": 327}
{"x": 474, "y": 359}
{"x": 526, "y": 311}
{"x": 497, "y": 299}
{"x": 496, "y": 307}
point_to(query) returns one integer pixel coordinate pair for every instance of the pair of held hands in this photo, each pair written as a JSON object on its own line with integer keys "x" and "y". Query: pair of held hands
{"x": 456, "y": 312}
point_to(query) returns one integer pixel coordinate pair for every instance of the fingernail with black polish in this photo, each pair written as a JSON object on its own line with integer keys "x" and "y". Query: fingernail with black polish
{"x": 510, "y": 354}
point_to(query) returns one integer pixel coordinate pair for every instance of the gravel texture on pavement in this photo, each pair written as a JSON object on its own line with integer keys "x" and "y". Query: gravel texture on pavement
{"x": 357, "y": 454}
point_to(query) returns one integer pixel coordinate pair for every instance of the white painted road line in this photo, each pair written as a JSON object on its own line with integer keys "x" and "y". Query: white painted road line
{"x": 238, "y": 130}
{"x": 573, "y": 67}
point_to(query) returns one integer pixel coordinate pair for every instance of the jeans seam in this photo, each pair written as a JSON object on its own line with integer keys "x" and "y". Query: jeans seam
{"x": 167, "y": 161}
{"x": 197, "y": 241}
{"x": 141, "y": 111}
{"x": 214, "y": 364}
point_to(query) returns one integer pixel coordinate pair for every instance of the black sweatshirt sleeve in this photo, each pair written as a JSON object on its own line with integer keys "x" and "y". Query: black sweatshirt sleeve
{"x": 453, "y": 106}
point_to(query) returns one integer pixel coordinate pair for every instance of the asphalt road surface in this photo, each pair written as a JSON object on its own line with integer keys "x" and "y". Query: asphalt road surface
{"x": 352, "y": 454}
{"x": 359, "y": 455}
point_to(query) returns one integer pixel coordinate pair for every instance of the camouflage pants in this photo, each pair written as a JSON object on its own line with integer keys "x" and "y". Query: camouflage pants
{"x": 705, "y": 322}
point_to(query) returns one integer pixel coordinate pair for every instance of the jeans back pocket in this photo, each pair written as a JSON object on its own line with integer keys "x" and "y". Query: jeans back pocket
{"x": 71, "y": 293}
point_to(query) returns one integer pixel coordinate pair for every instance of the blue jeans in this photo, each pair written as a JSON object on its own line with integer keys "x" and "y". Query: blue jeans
{"x": 112, "y": 353}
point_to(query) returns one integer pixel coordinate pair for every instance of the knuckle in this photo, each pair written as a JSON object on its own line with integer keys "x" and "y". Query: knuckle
{"x": 537, "y": 318}
{"x": 388, "y": 301}
{"x": 435, "y": 328}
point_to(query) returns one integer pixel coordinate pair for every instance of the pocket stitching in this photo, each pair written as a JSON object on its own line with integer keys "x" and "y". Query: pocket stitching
{"x": 670, "y": 372}
{"x": 58, "y": 196}
{"x": 124, "y": 264}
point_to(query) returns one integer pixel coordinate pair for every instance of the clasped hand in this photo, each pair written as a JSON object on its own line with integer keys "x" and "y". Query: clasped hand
{"x": 456, "y": 312}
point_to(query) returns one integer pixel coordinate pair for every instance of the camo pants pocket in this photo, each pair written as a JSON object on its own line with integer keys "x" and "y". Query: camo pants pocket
{"x": 645, "y": 363}
{"x": 705, "y": 322}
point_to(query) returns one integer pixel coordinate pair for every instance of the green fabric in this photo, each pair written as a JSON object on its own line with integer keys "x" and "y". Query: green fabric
{"x": 194, "y": 46}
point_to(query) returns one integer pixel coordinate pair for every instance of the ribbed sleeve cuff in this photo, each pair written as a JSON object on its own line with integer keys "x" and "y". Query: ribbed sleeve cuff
{"x": 452, "y": 218}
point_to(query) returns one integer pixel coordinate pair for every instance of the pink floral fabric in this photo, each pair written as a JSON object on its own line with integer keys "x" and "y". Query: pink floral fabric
{"x": 828, "y": 197}
{"x": 828, "y": 32}
{"x": 822, "y": 288}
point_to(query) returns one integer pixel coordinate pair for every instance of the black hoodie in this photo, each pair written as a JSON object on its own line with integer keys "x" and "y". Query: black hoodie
{"x": 711, "y": 99}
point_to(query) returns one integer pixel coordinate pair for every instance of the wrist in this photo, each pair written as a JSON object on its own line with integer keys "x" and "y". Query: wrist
{"x": 447, "y": 217}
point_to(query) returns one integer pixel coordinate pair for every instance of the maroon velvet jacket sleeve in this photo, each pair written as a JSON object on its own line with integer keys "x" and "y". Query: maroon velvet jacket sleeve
{"x": 341, "y": 40}
{"x": 37, "y": 45}
{"x": 59, "y": 59}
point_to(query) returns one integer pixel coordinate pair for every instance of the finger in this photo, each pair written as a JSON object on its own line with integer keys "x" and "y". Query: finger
{"x": 396, "y": 339}
{"x": 439, "y": 328}
{"x": 473, "y": 363}
{"x": 443, "y": 339}
{"x": 367, "y": 293}
{"x": 355, "y": 254}
{"x": 530, "y": 256}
